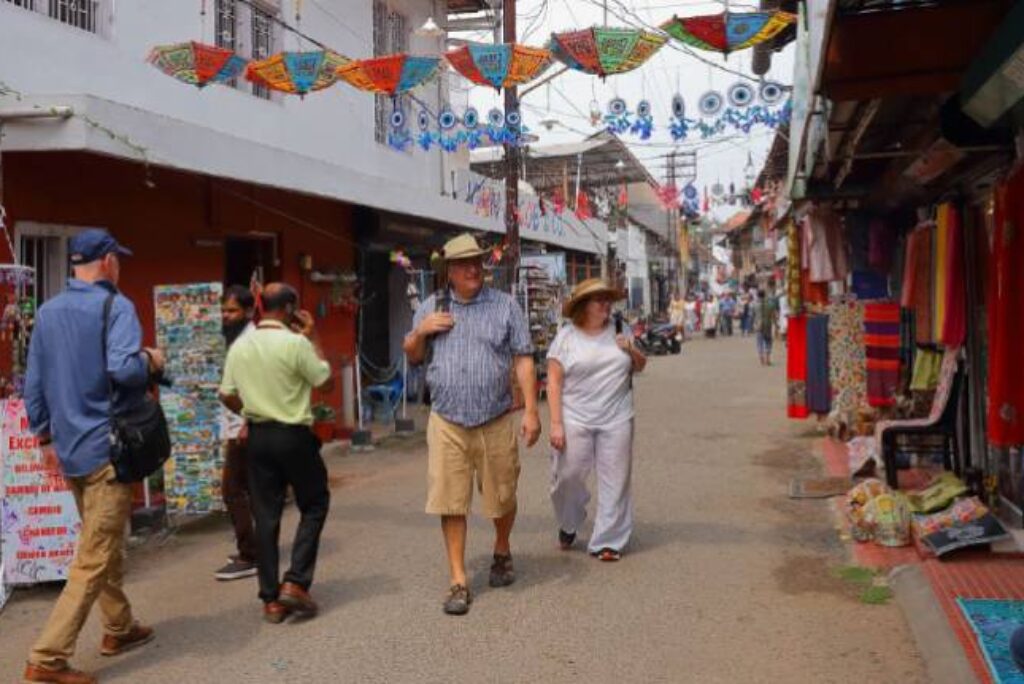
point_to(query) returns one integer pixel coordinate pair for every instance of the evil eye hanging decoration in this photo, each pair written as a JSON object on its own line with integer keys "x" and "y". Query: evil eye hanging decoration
{"x": 771, "y": 93}
{"x": 496, "y": 126}
{"x": 644, "y": 124}
{"x": 617, "y": 119}
{"x": 426, "y": 138}
{"x": 447, "y": 138}
{"x": 471, "y": 128}
{"x": 691, "y": 199}
{"x": 710, "y": 103}
{"x": 680, "y": 125}
{"x": 398, "y": 134}
{"x": 741, "y": 95}
{"x": 513, "y": 127}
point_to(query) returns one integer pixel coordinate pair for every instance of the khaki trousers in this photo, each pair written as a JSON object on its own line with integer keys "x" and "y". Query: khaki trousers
{"x": 96, "y": 572}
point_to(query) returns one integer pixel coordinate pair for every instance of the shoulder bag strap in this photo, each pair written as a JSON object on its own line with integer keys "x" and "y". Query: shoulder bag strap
{"x": 107, "y": 305}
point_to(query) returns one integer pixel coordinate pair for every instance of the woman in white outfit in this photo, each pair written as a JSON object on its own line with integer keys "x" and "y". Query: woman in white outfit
{"x": 590, "y": 394}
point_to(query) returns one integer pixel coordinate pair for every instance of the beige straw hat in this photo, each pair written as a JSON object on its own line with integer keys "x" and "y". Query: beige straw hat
{"x": 464, "y": 246}
{"x": 590, "y": 287}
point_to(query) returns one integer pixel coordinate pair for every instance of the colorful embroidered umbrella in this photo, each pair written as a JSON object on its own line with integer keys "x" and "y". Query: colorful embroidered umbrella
{"x": 728, "y": 31}
{"x": 197, "y": 64}
{"x": 297, "y": 72}
{"x": 605, "y": 51}
{"x": 500, "y": 66}
{"x": 389, "y": 75}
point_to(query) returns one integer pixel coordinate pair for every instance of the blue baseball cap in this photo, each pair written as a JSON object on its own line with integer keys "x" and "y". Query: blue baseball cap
{"x": 94, "y": 244}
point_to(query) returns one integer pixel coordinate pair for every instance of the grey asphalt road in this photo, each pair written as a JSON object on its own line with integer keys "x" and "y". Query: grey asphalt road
{"x": 726, "y": 580}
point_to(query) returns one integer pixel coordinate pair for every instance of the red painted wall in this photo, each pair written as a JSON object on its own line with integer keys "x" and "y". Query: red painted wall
{"x": 162, "y": 224}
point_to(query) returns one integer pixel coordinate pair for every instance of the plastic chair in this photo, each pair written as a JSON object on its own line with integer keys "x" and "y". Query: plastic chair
{"x": 941, "y": 420}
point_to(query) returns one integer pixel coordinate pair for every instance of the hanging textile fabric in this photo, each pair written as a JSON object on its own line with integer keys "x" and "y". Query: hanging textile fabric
{"x": 857, "y": 238}
{"x": 796, "y": 367}
{"x": 793, "y": 280}
{"x": 940, "y": 269}
{"x": 824, "y": 247}
{"x": 847, "y": 362}
{"x": 812, "y": 293}
{"x": 907, "y": 346}
{"x": 954, "y": 328}
{"x": 881, "y": 246}
{"x": 917, "y": 281}
{"x": 927, "y": 364}
{"x": 882, "y": 349}
{"x": 819, "y": 395}
{"x": 868, "y": 285}
{"x": 1006, "y": 317}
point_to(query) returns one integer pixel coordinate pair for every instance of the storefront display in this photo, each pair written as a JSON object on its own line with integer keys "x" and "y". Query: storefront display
{"x": 188, "y": 329}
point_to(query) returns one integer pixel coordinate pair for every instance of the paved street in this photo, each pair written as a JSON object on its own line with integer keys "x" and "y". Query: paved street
{"x": 726, "y": 580}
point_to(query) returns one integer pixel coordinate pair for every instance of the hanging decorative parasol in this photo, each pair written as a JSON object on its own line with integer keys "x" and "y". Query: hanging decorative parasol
{"x": 605, "y": 51}
{"x": 500, "y": 66}
{"x": 728, "y": 31}
{"x": 389, "y": 75}
{"x": 296, "y": 72}
{"x": 197, "y": 64}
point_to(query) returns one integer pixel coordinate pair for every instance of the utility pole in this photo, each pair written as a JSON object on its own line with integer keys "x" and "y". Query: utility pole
{"x": 508, "y": 16}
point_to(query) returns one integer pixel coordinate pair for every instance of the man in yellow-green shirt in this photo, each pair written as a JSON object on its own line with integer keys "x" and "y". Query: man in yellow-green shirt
{"x": 268, "y": 377}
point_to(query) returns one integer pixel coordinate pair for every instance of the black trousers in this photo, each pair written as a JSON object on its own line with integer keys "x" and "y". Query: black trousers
{"x": 235, "y": 488}
{"x": 282, "y": 455}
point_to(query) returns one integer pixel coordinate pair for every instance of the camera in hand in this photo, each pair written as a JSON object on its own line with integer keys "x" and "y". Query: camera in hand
{"x": 161, "y": 379}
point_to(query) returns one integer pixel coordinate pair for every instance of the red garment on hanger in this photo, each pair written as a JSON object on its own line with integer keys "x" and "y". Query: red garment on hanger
{"x": 921, "y": 292}
{"x": 954, "y": 328}
{"x": 1006, "y": 316}
{"x": 796, "y": 368}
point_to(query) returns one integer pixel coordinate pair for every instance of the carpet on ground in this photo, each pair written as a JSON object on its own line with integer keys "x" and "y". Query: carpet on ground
{"x": 993, "y": 622}
{"x": 818, "y": 487}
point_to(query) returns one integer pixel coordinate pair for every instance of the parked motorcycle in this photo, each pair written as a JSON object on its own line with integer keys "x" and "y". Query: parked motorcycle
{"x": 660, "y": 339}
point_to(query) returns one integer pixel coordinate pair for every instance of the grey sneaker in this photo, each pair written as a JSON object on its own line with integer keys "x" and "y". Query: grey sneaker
{"x": 236, "y": 569}
{"x": 458, "y": 600}
{"x": 502, "y": 572}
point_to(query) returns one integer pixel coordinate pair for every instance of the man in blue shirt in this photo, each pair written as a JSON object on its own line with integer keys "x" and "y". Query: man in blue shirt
{"x": 67, "y": 397}
{"x": 472, "y": 340}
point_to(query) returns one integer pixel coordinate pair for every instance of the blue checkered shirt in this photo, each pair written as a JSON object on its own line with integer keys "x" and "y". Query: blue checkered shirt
{"x": 470, "y": 367}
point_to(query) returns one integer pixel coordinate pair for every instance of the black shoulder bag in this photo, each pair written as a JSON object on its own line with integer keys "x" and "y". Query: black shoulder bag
{"x": 139, "y": 440}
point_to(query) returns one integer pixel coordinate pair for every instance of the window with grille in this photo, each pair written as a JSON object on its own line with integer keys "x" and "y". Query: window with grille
{"x": 81, "y": 14}
{"x": 225, "y": 27}
{"x": 44, "y": 247}
{"x": 390, "y": 35}
{"x": 262, "y": 44}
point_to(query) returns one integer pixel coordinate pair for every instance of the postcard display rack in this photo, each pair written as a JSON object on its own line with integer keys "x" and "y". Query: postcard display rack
{"x": 541, "y": 299}
{"x": 188, "y": 328}
{"x": 39, "y": 522}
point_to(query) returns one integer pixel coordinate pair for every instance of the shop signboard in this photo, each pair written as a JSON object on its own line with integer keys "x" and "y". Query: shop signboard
{"x": 188, "y": 328}
{"x": 39, "y": 520}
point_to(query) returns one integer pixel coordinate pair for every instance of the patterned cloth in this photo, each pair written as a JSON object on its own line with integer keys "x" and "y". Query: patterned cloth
{"x": 819, "y": 395}
{"x": 847, "y": 360}
{"x": 917, "y": 281}
{"x": 796, "y": 368}
{"x": 470, "y": 368}
{"x": 793, "y": 280}
{"x": 882, "y": 348}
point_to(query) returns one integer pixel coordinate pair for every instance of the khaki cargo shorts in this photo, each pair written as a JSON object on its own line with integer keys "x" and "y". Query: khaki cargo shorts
{"x": 455, "y": 453}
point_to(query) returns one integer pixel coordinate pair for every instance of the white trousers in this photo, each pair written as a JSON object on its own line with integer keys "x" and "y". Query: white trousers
{"x": 609, "y": 452}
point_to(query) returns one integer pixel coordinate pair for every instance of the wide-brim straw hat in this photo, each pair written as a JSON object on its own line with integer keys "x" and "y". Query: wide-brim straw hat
{"x": 591, "y": 287}
{"x": 464, "y": 246}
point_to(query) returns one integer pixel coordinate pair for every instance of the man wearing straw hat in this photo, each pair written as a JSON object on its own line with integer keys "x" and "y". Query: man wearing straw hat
{"x": 471, "y": 338}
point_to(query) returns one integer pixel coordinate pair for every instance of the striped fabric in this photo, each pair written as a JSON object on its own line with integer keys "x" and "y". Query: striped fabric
{"x": 469, "y": 373}
{"x": 882, "y": 346}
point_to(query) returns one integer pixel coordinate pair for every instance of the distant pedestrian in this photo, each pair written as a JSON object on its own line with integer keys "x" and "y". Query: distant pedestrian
{"x": 727, "y": 310}
{"x": 591, "y": 398}
{"x": 268, "y": 378}
{"x": 710, "y": 316}
{"x": 471, "y": 337}
{"x": 68, "y": 399}
{"x": 677, "y": 312}
{"x": 766, "y": 316}
{"x": 746, "y": 315}
{"x": 237, "y": 307}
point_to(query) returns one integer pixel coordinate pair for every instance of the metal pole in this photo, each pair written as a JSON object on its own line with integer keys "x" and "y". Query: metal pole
{"x": 511, "y": 158}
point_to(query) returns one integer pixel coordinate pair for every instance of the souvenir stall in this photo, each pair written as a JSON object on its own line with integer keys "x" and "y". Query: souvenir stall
{"x": 39, "y": 521}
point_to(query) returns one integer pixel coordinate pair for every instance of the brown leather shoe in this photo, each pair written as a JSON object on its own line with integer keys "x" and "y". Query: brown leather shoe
{"x": 275, "y": 612}
{"x": 116, "y": 645}
{"x": 297, "y": 599}
{"x": 34, "y": 673}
